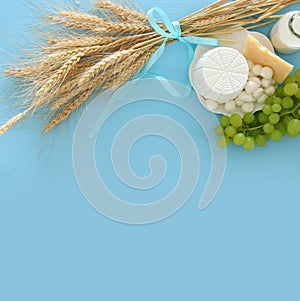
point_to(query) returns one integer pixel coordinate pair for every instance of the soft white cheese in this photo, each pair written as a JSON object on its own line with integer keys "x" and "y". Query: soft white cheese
{"x": 221, "y": 74}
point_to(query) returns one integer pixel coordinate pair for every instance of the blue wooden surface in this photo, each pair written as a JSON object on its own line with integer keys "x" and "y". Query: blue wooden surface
{"x": 55, "y": 246}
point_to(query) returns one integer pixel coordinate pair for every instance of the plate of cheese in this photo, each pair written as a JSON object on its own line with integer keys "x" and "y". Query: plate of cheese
{"x": 238, "y": 76}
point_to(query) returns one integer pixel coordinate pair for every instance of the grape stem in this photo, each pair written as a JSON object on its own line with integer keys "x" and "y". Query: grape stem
{"x": 292, "y": 111}
{"x": 283, "y": 114}
{"x": 253, "y": 129}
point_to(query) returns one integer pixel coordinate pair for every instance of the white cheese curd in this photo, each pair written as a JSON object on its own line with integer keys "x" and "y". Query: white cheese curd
{"x": 250, "y": 64}
{"x": 267, "y": 73}
{"x": 270, "y": 91}
{"x": 245, "y": 97}
{"x": 251, "y": 74}
{"x": 251, "y": 87}
{"x": 266, "y": 82}
{"x": 230, "y": 106}
{"x": 262, "y": 98}
{"x": 257, "y": 70}
{"x": 238, "y": 102}
{"x": 211, "y": 104}
{"x": 259, "y": 92}
{"x": 248, "y": 107}
{"x": 255, "y": 79}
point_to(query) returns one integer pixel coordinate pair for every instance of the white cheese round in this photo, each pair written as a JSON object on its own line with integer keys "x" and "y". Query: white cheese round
{"x": 220, "y": 74}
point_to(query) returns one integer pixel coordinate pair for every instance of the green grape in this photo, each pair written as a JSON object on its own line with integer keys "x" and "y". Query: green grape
{"x": 292, "y": 136}
{"x": 256, "y": 132}
{"x": 223, "y": 141}
{"x": 277, "y": 100}
{"x": 249, "y": 143}
{"x": 255, "y": 123}
{"x": 287, "y": 119}
{"x": 239, "y": 139}
{"x": 219, "y": 130}
{"x": 274, "y": 118}
{"x": 279, "y": 91}
{"x": 276, "y": 135}
{"x": 268, "y": 128}
{"x": 280, "y": 116}
{"x": 249, "y": 118}
{"x": 225, "y": 121}
{"x": 297, "y": 74}
{"x": 263, "y": 118}
{"x": 236, "y": 120}
{"x": 291, "y": 89}
{"x": 276, "y": 108}
{"x": 290, "y": 79}
{"x": 282, "y": 128}
{"x": 287, "y": 102}
{"x": 293, "y": 127}
{"x": 261, "y": 140}
{"x": 267, "y": 109}
{"x": 230, "y": 131}
{"x": 269, "y": 101}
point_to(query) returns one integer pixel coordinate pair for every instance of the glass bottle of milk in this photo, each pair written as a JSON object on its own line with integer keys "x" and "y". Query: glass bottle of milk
{"x": 285, "y": 35}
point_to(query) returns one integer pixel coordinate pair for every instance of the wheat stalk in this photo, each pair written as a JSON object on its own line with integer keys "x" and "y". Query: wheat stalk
{"x": 103, "y": 65}
{"x": 98, "y": 25}
{"x": 81, "y": 41}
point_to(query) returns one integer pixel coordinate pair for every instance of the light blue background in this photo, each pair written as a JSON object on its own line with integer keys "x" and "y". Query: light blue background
{"x": 55, "y": 246}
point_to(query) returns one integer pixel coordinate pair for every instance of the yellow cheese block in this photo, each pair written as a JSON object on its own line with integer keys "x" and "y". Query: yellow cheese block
{"x": 258, "y": 54}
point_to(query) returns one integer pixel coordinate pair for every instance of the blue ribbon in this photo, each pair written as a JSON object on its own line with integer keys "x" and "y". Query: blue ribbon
{"x": 174, "y": 33}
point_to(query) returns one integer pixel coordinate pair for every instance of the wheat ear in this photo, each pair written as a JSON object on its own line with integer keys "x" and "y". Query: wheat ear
{"x": 68, "y": 109}
{"x": 13, "y": 121}
{"x": 61, "y": 73}
{"x": 124, "y": 13}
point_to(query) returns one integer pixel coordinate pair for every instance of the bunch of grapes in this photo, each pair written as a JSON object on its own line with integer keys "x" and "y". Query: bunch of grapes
{"x": 280, "y": 116}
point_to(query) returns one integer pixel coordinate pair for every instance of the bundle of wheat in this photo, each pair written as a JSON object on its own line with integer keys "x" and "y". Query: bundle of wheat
{"x": 103, "y": 50}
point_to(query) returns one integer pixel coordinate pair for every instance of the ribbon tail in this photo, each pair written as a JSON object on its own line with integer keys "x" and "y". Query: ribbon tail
{"x": 154, "y": 58}
{"x": 159, "y": 52}
{"x": 211, "y": 42}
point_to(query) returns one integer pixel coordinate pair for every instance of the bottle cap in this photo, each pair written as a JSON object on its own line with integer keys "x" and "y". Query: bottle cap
{"x": 295, "y": 24}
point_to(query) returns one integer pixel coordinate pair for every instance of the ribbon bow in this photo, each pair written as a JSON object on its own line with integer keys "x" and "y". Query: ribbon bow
{"x": 174, "y": 33}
